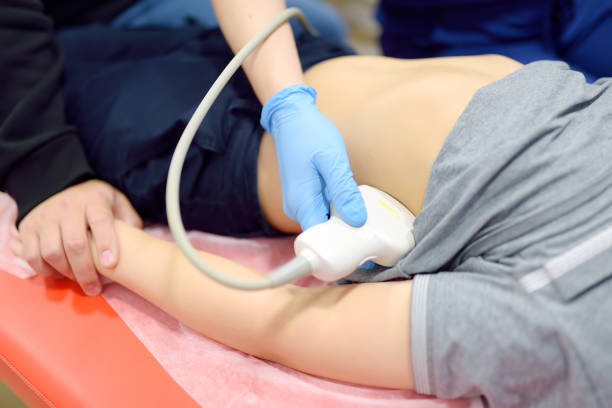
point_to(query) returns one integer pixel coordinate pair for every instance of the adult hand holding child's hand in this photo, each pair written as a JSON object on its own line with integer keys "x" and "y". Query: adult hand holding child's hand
{"x": 53, "y": 236}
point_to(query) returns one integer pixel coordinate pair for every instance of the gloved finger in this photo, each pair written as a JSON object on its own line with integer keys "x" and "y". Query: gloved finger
{"x": 102, "y": 225}
{"x": 367, "y": 265}
{"x": 52, "y": 249}
{"x": 326, "y": 194}
{"x": 313, "y": 213}
{"x": 31, "y": 253}
{"x": 124, "y": 210}
{"x": 76, "y": 245}
{"x": 343, "y": 190}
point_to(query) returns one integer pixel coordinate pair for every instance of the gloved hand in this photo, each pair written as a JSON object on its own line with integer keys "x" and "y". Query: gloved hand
{"x": 312, "y": 160}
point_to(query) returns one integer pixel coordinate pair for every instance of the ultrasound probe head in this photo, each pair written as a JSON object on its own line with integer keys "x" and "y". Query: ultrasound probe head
{"x": 335, "y": 249}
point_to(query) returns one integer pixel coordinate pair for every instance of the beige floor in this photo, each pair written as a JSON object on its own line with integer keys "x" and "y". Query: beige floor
{"x": 8, "y": 399}
{"x": 364, "y": 29}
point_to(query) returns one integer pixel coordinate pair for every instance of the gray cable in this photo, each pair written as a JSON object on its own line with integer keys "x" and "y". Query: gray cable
{"x": 293, "y": 269}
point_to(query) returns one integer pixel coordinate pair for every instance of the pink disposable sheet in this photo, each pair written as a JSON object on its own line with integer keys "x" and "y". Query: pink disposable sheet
{"x": 215, "y": 375}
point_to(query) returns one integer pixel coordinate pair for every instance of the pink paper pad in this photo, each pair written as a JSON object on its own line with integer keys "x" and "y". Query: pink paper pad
{"x": 215, "y": 375}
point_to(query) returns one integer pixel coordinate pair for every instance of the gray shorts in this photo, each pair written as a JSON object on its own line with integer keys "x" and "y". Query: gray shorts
{"x": 513, "y": 259}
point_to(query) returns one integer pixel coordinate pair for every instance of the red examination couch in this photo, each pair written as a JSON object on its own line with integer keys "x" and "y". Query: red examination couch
{"x": 91, "y": 358}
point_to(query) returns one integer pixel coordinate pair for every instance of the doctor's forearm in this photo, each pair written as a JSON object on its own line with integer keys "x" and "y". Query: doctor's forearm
{"x": 356, "y": 333}
{"x": 275, "y": 64}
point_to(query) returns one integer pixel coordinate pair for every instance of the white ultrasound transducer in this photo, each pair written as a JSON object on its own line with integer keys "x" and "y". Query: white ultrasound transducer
{"x": 335, "y": 248}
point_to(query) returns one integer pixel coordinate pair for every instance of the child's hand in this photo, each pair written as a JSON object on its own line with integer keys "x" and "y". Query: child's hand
{"x": 15, "y": 242}
{"x": 16, "y": 247}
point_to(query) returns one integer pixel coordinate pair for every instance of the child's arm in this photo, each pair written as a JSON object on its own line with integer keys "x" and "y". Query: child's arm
{"x": 355, "y": 333}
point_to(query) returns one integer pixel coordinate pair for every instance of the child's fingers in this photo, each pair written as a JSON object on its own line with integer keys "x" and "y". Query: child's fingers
{"x": 15, "y": 242}
{"x": 14, "y": 232}
{"x": 16, "y": 247}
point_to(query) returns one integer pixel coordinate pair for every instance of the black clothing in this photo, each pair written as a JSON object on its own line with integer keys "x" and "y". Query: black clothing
{"x": 71, "y": 13}
{"x": 40, "y": 153}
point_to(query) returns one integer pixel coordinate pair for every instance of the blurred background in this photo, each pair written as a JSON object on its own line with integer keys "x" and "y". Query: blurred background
{"x": 364, "y": 29}
{"x": 8, "y": 399}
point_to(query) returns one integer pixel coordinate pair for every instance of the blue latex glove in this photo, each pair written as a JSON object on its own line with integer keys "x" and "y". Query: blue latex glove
{"x": 312, "y": 160}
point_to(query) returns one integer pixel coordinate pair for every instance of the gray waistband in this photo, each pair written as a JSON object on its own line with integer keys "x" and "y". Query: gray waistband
{"x": 560, "y": 265}
{"x": 418, "y": 334}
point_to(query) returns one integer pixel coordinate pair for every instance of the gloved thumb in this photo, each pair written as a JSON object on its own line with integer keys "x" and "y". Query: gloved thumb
{"x": 342, "y": 188}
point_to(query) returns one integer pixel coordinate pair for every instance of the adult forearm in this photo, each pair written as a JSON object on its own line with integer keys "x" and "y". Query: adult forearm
{"x": 275, "y": 64}
{"x": 357, "y": 333}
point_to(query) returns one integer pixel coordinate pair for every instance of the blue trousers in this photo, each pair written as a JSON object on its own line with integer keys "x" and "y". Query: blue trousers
{"x": 178, "y": 13}
{"x": 576, "y": 31}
